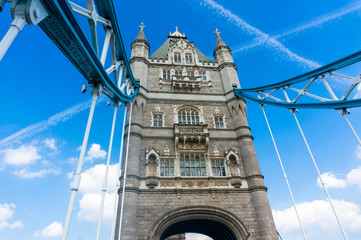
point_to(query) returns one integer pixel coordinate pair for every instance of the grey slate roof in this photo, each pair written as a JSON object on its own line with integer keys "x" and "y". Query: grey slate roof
{"x": 162, "y": 53}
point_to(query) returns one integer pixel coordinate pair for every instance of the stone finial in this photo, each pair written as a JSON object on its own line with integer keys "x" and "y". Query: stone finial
{"x": 141, "y": 27}
{"x": 217, "y": 32}
{"x": 216, "y": 151}
{"x": 166, "y": 151}
{"x": 176, "y": 33}
{"x": 219, "y": 39}
{"x": 141, "y": 36}
{"x": 157, "y": 108}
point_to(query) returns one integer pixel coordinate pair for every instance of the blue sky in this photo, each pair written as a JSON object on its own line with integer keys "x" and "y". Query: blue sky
{"x": 43, "y": 114}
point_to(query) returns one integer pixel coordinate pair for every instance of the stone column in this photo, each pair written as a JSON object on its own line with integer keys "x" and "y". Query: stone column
{"x": 258, "y": 190}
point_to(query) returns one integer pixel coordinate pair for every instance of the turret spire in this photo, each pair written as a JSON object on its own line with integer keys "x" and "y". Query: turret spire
{"x": 219, "y": 39}
{"x": 141, "y": 35}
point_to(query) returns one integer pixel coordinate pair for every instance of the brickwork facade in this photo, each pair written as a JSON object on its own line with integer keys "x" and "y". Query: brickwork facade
{"x": 192, "y": 164}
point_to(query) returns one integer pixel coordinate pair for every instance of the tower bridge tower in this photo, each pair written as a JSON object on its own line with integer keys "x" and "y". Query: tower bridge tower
{"x": 192, "y": 164}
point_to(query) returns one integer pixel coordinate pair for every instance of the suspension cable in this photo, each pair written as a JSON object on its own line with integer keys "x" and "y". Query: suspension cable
{"x": 105, "y": 181}
{"x": 125, "y": 171}
{"x": 343, "y": 113}
{"x": 284, "y": 173}
{"x": 319, "y": 174}
{"x": 96, "y": 91}
{"x": 115, "y": 207}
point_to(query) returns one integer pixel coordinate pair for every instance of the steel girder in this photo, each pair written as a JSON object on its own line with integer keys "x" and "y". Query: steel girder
{"x": 266, "y": 94}
{"x": 64, "y": 30}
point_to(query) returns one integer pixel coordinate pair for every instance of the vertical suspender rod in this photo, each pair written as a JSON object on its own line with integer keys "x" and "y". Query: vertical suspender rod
{"x": 284, "y": 173}
{"x": 96, "y": 90}
{"x": 319, "y": 174}
{"x": 125, "y": 171}
{"x": 105, "y": 181}
{"x": 115, "y": 209}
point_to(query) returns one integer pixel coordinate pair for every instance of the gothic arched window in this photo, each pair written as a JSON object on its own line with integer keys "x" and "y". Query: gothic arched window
{"x": 188, "y": 116}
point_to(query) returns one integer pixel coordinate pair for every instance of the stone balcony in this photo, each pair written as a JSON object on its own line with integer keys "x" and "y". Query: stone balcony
{"x": 191, "y": 134}
{"x": 186, "y": 83}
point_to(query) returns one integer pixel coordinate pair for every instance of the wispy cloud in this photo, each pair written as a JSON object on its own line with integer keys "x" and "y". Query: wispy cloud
{"x": 321, "y": 20}
{"x": 43, "y": 125}
{"x": 317, "y": 22}
{"x": 27, "y": 174}
{"x": 262, "y": 37}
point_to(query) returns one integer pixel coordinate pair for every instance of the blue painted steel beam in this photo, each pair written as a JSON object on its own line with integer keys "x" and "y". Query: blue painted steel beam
{"x": 106, "y": 10}
{"x": 65, "y": 31}
{"x": 341, "y": 104}
{"x": 341, "y": 63}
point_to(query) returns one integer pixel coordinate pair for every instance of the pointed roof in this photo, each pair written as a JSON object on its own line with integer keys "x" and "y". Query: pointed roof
{"x": 162, "y": 53}
{"x": 219, "y": 39}
{"x": 220, "y": 44}
{"x": 141, "y": 37}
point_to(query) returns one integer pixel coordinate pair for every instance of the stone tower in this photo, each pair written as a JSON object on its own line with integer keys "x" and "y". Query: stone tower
{"x": 192, "y": 164}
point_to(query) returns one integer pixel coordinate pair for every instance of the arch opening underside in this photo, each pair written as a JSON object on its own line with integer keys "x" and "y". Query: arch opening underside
{"x": 214, "y": 222}
{"x": 213, "y": 229}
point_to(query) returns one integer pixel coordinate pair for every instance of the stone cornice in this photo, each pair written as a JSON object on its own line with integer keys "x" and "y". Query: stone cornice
{"x": 140, "y": 41}
{"x": 139, "y": 59}
{"x": 227, "y": 64}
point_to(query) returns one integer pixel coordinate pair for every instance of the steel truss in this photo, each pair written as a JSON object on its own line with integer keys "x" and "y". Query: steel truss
{"x": 278, "y": 94}
{"x": 57, "y": 19}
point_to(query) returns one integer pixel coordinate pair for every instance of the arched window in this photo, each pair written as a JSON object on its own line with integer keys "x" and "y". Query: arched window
{"x": 188, "y": 116}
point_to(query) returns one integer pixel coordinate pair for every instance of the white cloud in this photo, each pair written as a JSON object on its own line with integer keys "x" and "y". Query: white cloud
{"x": 95, "y": 152}
{"x": 55, "y": 229}
{"x": 354, "y": 177}
{"x": 318, "y": 216}
{"x": 92, "y": 179}
{"x": 331, "y": 181}
{"x": 358, "y": 149}
{"x": 196, "y": 236}
{"x": 89, "y": 207}
{"x": 69, "y": 175}
{"x": 24, "y": 155}
{"x": 6, "y": 214}
{"x": 25, "y": 173}
{"x": 50, "y": 143}
{"x": 90, "y": 187}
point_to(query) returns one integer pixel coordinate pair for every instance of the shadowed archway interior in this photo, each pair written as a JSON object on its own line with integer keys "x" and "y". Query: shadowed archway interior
{"x": 213, "y": 229}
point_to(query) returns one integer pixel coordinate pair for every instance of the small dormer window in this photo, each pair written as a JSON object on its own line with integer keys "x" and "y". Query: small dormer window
{"x": 177, "y": 57}
{"x": 189, "y": 58}
{"x": 166, "y": 74}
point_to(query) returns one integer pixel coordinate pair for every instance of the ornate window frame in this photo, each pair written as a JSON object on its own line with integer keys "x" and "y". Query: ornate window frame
{"x": 233, "y": 153}
{"x": 157, "y": 113}
{"x": 177, "y": 57}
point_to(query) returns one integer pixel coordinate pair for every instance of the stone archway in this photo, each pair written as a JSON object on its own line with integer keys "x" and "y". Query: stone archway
{"x": 213, "y": 222}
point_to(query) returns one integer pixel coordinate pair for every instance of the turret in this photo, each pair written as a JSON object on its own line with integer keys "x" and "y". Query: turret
{"x": 223, "y": 55}
{"x": 140, "y": 46}
{"x": 139, "y": 57}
